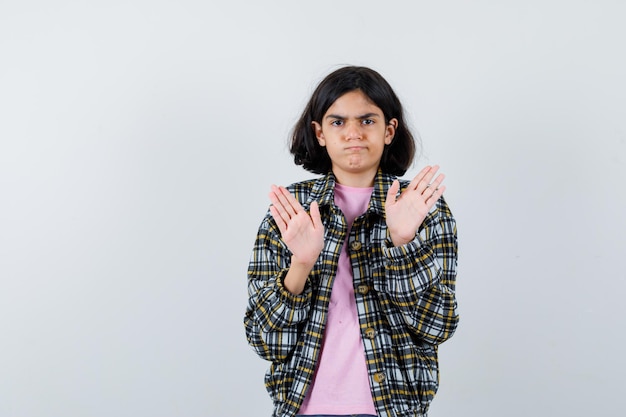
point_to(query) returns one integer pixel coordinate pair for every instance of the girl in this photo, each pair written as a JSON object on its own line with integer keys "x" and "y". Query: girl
{"x": 352, "y": 277}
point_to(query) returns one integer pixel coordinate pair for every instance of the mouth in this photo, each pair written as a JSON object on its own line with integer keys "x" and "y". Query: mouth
{"x": 355, "y": 148}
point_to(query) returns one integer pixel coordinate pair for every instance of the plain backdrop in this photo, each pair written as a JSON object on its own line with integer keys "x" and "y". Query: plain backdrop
{"x": 139, "y": 139}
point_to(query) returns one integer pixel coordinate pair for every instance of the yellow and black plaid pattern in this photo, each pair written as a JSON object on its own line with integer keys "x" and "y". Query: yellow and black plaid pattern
{"x": 405, "y": 301}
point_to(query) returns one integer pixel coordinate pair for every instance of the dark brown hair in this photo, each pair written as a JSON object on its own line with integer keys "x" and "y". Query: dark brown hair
{"x": 306, "y": 151}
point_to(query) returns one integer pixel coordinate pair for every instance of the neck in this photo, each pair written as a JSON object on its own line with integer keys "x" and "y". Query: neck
{"x": 360, "y": 180}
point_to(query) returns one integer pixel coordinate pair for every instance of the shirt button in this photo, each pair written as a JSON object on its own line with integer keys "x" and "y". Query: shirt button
{"x": 363, "y": 289}
{"x": 370, "y": 333}
{"x": 355, "y": 245}
{"x": 379, "y": 377}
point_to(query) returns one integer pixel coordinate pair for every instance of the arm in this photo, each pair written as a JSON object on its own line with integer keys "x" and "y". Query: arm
{"x": 422, "y": 257}
{"x": 421, "y": 278}
{"x": 273, "y": 314}
{"x": 287, "y": 246}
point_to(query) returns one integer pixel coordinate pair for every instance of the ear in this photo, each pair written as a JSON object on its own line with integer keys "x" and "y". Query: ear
{"x": 390, "y": 131}
{"x": 318, "y": 133}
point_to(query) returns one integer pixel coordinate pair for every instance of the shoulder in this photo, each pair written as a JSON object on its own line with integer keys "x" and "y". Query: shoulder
{"x": 317, "y": 189}
{"x": 442, "y": 207}
{"x": 440, "y": 216}
{"x": 302, "y": 187}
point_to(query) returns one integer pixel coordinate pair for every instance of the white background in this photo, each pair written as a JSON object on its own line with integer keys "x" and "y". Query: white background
{"x": 139, "y": 140}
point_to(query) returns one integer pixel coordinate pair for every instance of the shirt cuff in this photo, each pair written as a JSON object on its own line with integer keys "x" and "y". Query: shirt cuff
{"x": 290, "y": 299}
{"x": 402, "y": 252}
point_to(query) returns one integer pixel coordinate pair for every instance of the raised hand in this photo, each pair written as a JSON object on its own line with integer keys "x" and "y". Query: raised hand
{"x": 302, "y": 233}
{"x": 406, "y": 213}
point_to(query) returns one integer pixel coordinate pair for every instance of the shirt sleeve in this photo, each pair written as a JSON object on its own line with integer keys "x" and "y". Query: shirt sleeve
{"x": 273, "y": 314}
{"x": 421, "y": 277}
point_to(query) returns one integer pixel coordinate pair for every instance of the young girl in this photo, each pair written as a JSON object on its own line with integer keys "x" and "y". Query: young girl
{"x": 352, "y": 277}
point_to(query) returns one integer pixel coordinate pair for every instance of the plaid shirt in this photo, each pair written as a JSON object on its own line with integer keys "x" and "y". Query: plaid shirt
{"x": 405, "y": 301}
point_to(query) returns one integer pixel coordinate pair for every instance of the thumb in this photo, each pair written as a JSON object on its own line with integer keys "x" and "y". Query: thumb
{"x": 315, "y": 215}
{"x": 391, "y": 193}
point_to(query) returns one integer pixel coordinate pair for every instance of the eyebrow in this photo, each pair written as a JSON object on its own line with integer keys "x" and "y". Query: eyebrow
{"x": 363, "y": 116}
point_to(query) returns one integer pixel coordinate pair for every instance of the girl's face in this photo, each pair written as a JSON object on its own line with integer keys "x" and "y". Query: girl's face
{"x": 354, "y": 132}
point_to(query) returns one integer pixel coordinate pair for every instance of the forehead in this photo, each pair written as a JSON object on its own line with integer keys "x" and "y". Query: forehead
{"x": 354, "y": 103}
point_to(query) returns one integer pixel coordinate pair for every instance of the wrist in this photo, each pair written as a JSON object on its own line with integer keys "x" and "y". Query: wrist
{"x": 296, "y": 277}
{"x": 399, "y": 240}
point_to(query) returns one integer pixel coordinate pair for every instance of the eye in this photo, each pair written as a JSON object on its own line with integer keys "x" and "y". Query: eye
{"x": 336, "y": 122}
{"x": 367, "y": 122}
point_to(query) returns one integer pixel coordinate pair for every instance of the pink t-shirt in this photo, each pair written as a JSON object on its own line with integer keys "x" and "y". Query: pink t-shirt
{"x": 341, "y": 382}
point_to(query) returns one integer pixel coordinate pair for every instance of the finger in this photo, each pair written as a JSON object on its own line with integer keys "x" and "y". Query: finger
{"x": 282, "y": 226}
{"x": 392, "y": 192}
{"x": 425, "y": 182}
{"x": 281, "y": 202}
{"x": 419, "y": 177}
{"x": 293, "y": 202}
{"x": 430, "y": 202}
{"x": 435, "y": 184}
{"x": 292, "y": 206}
{"x": 279, "y": 205}
{"x": 274, "y": 196}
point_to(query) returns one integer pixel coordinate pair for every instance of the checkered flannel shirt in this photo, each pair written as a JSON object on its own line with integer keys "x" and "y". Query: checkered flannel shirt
{"x": 405, "y": 300}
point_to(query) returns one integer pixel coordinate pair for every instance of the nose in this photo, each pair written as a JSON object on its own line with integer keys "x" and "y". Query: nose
{"x": 353, "y": 130}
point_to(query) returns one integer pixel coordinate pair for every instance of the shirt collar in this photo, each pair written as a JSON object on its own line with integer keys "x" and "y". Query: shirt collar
{"x": 323, "y": 192}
